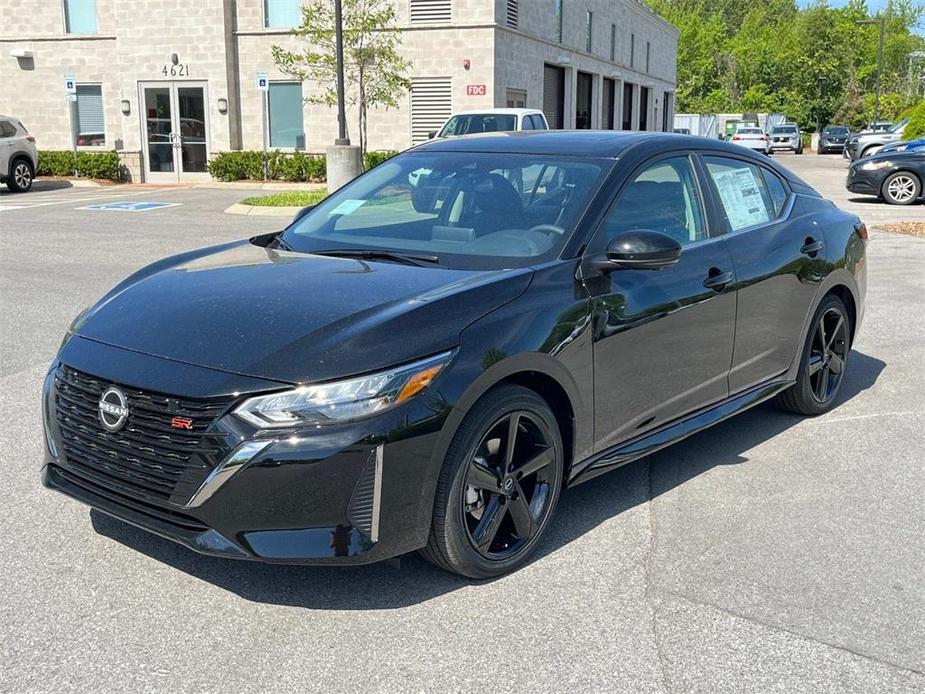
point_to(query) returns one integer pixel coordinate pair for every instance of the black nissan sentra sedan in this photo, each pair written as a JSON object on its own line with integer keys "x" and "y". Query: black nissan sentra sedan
{"x": 427, "y": 358}
{"x": 895, "y": 177}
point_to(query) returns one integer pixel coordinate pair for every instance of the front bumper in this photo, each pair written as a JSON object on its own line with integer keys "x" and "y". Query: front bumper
{"x": 829, "y": 146}
{"x": 864, "y": 182}
{"x": 350, "y": 494}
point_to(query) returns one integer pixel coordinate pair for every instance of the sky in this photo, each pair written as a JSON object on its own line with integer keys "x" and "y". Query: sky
{"x": 873, "y": 5}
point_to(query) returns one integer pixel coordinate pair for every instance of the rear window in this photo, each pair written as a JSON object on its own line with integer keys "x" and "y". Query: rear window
{"x": 785, "y": 130}
{"x": 478, "y": 123}
{"x": 749, "y": 131}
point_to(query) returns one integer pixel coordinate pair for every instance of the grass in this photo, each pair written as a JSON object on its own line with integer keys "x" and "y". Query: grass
{"x": 294, "y": 198}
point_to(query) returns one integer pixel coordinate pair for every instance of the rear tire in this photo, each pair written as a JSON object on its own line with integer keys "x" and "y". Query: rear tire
{"x": 21, "y": 175}
{"x": 494, "y": 501}
{"x": 823, "y": 361}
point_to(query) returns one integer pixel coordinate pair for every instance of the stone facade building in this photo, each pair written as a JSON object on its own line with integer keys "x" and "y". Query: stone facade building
{"x": 169, "y": 83}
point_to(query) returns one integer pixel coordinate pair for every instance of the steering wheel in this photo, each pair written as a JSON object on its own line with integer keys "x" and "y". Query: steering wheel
{"x": 550, "y": 229}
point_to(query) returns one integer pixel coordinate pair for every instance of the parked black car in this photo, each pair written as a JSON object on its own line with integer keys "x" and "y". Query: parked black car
{"x": 425, "y": 359}
{"x": 833, "y": 139}
{"x": 893, "y": 176}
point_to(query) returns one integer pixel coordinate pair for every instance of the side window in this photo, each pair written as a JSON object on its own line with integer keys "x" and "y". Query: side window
{"x": 742, "y": 190}
{"x": 664, "y": 197}
{"x": 6, "y": 129}
{"x": 776, "y": 190}
{"x": 538, "y": 123}
{"x": 526, "y": 123}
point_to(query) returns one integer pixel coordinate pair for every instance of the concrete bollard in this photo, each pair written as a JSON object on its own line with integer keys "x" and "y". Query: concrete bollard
{"x": 343, "y": 164}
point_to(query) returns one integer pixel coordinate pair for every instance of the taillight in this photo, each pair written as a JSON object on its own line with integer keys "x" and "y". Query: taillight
{"x": 736, "y": 138}
{"x": 861, "y": 228}
{"x": 30, "y": 138}
{"x": 763, "y": 138}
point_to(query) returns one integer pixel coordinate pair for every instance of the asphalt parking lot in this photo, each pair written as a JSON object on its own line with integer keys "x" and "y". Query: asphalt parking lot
{"x": 770, "y": 554}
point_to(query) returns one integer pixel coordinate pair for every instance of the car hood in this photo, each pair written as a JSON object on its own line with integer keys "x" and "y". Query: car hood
{"x": 293, "y": 317}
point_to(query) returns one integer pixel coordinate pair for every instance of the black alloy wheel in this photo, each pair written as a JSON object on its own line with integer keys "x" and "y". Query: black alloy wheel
{"x": 499, "y": 485}
{"x": 824, "y": 361}
{"x": 508, "y": 486}
{"x": 828, "y": 354}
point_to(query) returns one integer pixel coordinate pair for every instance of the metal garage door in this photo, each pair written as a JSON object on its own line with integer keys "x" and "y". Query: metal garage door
{"x": 431, "y": 105}
{"x": 554, "y": 95}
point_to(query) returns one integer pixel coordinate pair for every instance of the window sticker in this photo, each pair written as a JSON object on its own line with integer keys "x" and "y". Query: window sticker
{"x": 348, "y": 206}
{"x": 741, "y": 197}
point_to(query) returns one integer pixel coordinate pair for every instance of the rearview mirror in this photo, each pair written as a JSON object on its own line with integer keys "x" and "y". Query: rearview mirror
{"x": 639, "y": 249}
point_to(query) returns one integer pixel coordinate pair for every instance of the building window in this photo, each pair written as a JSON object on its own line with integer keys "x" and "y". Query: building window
{"x": 91, "y": 126}
{"x": 80, "y": 16}
{"x": 648, "y": 52}
{"x": 286, "y": 128}
{"x": 632, "y": 50}
{"x": 559, "y": 20}
{"x": 281, "y": 14}
{"x": 613, "y": 43}
{"x": 516, "y": 98}
{"x": 423, "y": 11}
{"x": 589, "y": 30}
{"x": 512, "y": 13}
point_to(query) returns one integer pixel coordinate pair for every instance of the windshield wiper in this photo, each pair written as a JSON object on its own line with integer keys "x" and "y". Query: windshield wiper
{"x": 376, "y": 254}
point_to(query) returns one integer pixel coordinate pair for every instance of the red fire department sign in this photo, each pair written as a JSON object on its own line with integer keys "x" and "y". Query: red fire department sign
{"x": 476, "y": 90}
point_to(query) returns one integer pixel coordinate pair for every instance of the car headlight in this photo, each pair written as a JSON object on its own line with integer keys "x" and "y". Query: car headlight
{"x": 876, "y": 165}
{"x": 342, "y": 401}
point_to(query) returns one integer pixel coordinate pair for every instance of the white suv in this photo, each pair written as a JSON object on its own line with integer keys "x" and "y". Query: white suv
{"x": 18, "y": 156}
{"x": 489, "y": 120}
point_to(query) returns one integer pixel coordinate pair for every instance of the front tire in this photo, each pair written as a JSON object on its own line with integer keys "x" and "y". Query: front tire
{"x": 823, "y": 362}
{"x": 499, "y": 485}
{"x": 21, "y": 175}
{"x": 901, "y": 188}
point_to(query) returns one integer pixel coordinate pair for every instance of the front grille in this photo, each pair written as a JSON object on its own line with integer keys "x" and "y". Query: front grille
{"x": 148, "y": 458}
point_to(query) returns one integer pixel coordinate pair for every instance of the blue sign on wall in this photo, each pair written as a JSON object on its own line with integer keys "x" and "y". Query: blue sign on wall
{"x": 129, "y": 206}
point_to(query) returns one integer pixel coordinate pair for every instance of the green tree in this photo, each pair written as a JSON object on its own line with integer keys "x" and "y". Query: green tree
{"x": 374, "y": 70}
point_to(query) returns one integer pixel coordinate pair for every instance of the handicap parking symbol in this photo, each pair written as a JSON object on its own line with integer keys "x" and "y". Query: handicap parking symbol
{"x": 126, "y": 206}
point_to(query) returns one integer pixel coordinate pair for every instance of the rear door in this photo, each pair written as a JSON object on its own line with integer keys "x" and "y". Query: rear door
{"x": 779, "y": 262}
{"x": 662, "y": 338}
{"x": 7, "y": 142}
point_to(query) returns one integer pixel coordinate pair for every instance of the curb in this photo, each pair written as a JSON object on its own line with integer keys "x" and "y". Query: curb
{"x": 258, "y": 211}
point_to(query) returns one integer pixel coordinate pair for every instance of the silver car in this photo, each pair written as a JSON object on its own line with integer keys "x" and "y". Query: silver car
{"x": 787, "y": 136}
{"x": 866, "y": 143}
{"x": 18, "y": 155}
{"x": 753, "y": 138}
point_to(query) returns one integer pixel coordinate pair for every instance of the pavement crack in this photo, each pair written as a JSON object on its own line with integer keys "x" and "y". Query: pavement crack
{"x": 785, "y": 630}
{"x": 653, "y": 598}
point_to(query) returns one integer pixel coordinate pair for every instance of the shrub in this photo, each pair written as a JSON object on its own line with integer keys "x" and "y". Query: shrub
{"x": 98, "y": 165}
{"x": 372, "y": 159}
{"x": 248, "y": 165}
{"x": 89, "y": 164}
{"x": 915, "y": 129}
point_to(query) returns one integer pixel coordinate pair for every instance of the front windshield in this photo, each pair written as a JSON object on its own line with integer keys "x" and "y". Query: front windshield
{"x": 900, "y": 124}
{"x": 836, "y": 132}
{"x": 471, "y": 123}
{"x": 474, "y": 210}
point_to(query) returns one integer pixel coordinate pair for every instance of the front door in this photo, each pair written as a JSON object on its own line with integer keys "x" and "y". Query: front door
{"x": 175, "y": 131}
{"x": 663, "y": 339}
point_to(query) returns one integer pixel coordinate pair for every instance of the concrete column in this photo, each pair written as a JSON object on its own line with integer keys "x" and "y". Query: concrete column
{"x": 343, "y": 163}
{"x": 571, "y": 98}
{"x": 597, "y": 100}
{"x": 637, "y": 95}
{"x": 618, "y": 105}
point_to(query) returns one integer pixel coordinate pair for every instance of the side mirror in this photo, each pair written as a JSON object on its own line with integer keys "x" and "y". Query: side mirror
{"x": 432, "y": 134}
{"x": 639, "y": 249}
{"x": 301, "y": 213}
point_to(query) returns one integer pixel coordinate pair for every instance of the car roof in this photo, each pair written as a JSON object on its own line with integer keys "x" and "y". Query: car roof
{"x": 501, "y": 111}
{"x": 606, "y": 144}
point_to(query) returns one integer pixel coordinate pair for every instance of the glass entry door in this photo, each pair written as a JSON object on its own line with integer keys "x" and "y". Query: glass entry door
{"x": 175, "y": 131}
